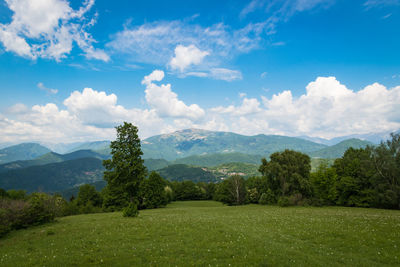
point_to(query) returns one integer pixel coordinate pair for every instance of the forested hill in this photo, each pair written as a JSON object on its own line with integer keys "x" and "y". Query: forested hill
{"x": 55, "y": 176}
{"x": 336, "y": 151}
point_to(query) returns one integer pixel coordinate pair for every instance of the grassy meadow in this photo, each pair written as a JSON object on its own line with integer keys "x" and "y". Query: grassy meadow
{"x": 208, "y": 233}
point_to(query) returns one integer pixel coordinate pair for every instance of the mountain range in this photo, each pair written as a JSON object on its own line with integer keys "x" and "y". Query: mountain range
{"x": 193, "y": 154}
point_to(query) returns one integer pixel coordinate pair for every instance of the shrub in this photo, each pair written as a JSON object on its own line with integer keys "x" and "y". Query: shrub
{"x": 253, "y": 195}
{"x": 41, "y": 209}
{"x": 283, "y": 201}
{"x": 131, "y": 210}
{"x": 296, "y": 199}
{"x": 263, "y": 199}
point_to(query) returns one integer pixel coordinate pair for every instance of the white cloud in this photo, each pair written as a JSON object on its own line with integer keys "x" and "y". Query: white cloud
{"x": 225, "y": 74}
{"x": 165, "y": 101}
{"x": 378, "y": 3}
{"x": 186, "y": 56}
{"x": 249, "y": 106}
{"x": 156, "y": 42}
{"x": 326, "y": 109}
{"x": 278, "y": 11}
{"x": 48, "y": 90}
{"x": 47, "y": 29}
{"x": 18, "y": 108}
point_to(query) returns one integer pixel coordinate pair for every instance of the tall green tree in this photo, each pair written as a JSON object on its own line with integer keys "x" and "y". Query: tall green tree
{"x": 323, "y": 182}
{"x": 386, "y": 160}
{"x": 125, "y": 171}
{"x": 152, "y": 192}
{"x": 287, "y": 174}
{"x": 355, "y": 171}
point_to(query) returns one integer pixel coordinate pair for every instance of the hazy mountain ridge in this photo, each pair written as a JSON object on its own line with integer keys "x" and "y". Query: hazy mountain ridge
{"x": 24, "y": 151}
{"x": 197, "y": 155}
{"x": 190, "y": 142}
{"x": 337, "y": 151}
{"x": 48, "y": 158}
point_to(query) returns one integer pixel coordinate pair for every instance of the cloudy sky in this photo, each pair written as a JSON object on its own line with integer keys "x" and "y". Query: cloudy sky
{"x": 72, "y": 70}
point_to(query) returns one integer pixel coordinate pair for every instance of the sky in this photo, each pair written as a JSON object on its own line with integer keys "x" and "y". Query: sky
{"x": 71, "y": 71}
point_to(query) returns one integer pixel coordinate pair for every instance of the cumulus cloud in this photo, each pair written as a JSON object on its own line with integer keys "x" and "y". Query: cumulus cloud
{"x": 18, "y": 108}
{"x": 326, "y": 109}
{"x": 48, "y": 29}
{"x": 165, "y": 101}
{"x": 186, "y": 56}
{"x": 249, "y": 106}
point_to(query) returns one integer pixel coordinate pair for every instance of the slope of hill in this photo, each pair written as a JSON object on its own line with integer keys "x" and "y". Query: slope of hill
{"x": 24, "y": 151}
{"x": 53, "y": 177}
{"x": 190, "y": 142}
{"x": 97, "y": 146}
{"x": 48, "y": 158}
{"x": 225, "y": 170}
{"x": 155, "y": 164}
{"x": 182, "y": 172}
{"x": 336, "y": 151}
{"x": 210, "y": 160}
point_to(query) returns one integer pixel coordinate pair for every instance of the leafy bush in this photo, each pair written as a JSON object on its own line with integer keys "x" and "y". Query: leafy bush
{"x": 41, "y": 209}
{"x": 253, "y": 195}
{"x": 131, "y": 210}
{"x": 263, "y": 199}
{"x": 283, "y": 201}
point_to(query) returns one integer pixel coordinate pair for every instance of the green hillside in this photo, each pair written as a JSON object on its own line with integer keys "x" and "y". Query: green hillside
{"x": 53, "y": 177}
{"x": 181, "y": 172}
{"x": 95, "y": 146}
{"x": 24, "y": 151}
{"x": 235, "y": 168}
{"x": 336, "y": 151}
{"x": 190, "y": 142}
{"x": 155, "y": 164}
{"x": 210, "y": 160}
{"x": 207, "y": 233}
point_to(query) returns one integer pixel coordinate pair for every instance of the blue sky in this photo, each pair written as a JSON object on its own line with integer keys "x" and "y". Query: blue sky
{"x": 322, "y": 68}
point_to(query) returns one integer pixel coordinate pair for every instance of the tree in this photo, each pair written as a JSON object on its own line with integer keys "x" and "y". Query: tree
{"x": 231, "y": 191}
{"x": 287, "y": 174}
{"x": 88, "y": 194}
{"x": 386, "y": 160}
{"x": 355, "y": 171}
{"x": 153, "y": 194}
{"x": 323, "y": 182}
{"x": 125, "y": 171}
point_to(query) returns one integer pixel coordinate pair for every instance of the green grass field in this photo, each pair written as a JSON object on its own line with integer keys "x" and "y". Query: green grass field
{"x": 207, "y": 233}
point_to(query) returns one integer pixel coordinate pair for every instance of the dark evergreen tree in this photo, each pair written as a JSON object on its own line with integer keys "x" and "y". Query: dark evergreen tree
{"x": 125, "y": 170}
